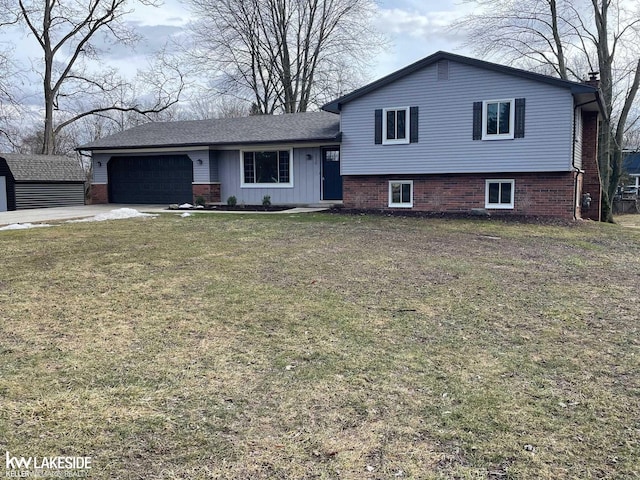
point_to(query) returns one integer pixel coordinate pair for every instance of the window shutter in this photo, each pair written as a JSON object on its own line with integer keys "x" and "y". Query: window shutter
{"x": 413, "y": 125}
{"x": 518, "y": 131}
{"x": 477, "y": 120}
{"x": 378, "y": 134}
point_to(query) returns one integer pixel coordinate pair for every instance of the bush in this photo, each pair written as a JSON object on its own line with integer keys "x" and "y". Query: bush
{"x": 200, "y": 200}
{"x": 266, "y": 201}
{"x": 232, "y": 201}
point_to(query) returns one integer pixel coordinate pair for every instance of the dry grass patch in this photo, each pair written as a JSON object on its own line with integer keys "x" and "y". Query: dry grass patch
{"x": 323, "y": 347}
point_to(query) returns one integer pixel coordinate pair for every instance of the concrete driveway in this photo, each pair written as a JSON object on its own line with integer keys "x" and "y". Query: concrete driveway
{"x": 44, "y": 215}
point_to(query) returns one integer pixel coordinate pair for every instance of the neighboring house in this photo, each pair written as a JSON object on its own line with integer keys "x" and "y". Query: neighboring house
{"x": 38, "y": 181}
{"x": 631, "y": 165}
{"x": 446, "y": 134}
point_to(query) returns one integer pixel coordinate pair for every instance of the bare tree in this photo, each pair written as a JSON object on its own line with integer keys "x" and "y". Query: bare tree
{"x": 69, "y": 32}
{"x": 8, "y": 73}
{"x": 281, "y": 55}
{"x": 570, "y": 38}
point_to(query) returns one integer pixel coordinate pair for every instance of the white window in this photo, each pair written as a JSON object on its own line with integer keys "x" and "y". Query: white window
{"x": 395, "y": 125}
{"x": 499, "y": 193}
{"x": 498, "y": 119}
{"x": 401, "y": 193}
{"x": 267, "y": 168}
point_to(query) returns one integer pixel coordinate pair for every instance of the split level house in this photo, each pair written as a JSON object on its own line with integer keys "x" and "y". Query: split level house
{"x": 445, "y": 134}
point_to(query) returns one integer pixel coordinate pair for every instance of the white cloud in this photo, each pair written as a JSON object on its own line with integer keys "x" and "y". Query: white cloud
{"x": 416, "y": 28}
{"x": 424, "y": 26}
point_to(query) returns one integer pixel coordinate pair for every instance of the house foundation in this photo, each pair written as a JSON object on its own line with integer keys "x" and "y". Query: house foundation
{"x": 536, "y": 194}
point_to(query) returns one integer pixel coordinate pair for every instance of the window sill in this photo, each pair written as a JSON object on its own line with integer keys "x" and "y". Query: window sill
{"x": 401, "y": 205}
{"x": 395, "y": 142}
{"x": 496, "y": 206}
{"x": 266, "y": 185}
{"x": 497, "y": 137}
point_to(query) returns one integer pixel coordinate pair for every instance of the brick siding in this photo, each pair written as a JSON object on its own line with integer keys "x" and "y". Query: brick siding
{"x": 536, "y": 194}
{"x": 99, "y": 193}
{"x": 210, "y": 192}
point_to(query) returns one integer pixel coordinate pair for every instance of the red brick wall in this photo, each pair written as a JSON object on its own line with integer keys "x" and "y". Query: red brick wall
{"x": 591, "y": 182}
{"x": 536, "y": 194}
{"x": 99, "y": 193}
{"x": 210, "y": 192}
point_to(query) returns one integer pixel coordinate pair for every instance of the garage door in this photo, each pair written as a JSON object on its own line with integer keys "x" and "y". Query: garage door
{"x": 150, "y": 179}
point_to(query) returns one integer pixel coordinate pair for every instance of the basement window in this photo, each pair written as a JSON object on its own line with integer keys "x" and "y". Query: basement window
{"x": 401, "y": 193}
{"x": 499, "y": 194}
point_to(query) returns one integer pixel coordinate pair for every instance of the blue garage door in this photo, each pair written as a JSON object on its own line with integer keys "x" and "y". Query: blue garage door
{"x": 151, "y": 179}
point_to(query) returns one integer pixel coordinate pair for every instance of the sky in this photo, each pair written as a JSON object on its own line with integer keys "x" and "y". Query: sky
{"x": 415, "y": 29}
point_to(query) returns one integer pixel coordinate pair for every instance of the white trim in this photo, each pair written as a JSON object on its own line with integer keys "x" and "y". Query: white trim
{"x": 512, "y": 118}
{"x": 205, "y": 183}
{"x": 401, "y": 204}
{"x": 266, "y": 185}
{"x": 407, "y": 126}
{"x": 503, "y": 206}
{"x": 99, "y": 183}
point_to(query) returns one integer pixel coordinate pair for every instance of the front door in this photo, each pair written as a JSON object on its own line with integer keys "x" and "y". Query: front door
{"x": 331, "y": 179}
{"x": 3, "y": 194}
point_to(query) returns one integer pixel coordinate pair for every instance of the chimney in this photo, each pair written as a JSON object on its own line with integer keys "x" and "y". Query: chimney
{"x": 593, "y": 81}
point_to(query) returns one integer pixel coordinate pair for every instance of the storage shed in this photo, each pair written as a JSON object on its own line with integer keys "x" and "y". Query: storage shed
{"x": 39, "y": 181}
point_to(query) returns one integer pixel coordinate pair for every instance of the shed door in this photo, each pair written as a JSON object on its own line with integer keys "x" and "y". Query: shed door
{"x": 3, "y": 194}
{"x": 149, "y": 179}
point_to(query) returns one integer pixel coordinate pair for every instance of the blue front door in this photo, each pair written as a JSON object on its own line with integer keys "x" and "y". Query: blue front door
{"x": 331, "y": 179}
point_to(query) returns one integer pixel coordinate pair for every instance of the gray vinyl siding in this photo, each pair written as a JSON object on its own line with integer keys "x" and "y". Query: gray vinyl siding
{"x": 445, "y": 142}
{"x": 43, "y": 195}
{"x": 306, "y": 179}
{"x": 99, "y": 173}
{"x": 577, "y": 152}
{"x": 201, "y": 173}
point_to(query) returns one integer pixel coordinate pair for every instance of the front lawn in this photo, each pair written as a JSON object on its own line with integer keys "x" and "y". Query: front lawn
{"x": 323, "y": 346}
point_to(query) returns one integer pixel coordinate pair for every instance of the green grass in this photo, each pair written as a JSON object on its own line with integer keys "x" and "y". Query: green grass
{"x": 323, "y": 346}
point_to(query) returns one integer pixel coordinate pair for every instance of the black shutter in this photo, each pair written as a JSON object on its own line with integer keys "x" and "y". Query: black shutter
{"x": 413, "y": 125}
{"x": 477, "y": 120}
{"x": 378, "y": 127}
{"x": 518, "y": 131}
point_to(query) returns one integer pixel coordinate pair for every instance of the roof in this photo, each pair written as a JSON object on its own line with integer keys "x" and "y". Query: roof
{"x": 631, "y": 162}
{"x": 44, "y": 168}
{"x": 258, "y": 129}
{"x": 575, "y": 87}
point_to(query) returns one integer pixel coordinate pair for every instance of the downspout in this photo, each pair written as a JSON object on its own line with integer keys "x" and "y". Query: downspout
{"x": 573, "y": 158}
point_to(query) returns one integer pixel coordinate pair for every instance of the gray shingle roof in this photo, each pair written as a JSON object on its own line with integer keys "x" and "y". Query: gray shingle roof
{"x": 259, "y": 129}
{"x": 44, "y": 168}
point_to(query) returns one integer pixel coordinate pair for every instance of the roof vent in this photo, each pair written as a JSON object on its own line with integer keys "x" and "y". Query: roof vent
{"x": 443, "y": 70}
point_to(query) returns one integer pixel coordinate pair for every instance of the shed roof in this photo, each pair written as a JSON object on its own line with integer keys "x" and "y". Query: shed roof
{"x": 631, "y": 163}
{"x": 258, "y": 129}
{"x": 575, "y": 88}
{"x": 44, "y": 168}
